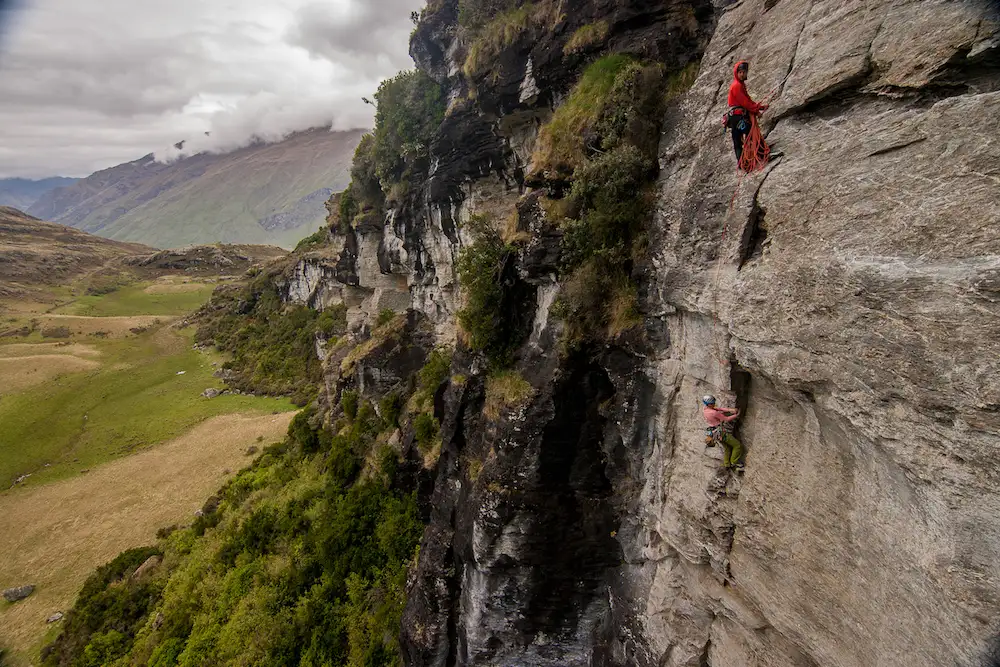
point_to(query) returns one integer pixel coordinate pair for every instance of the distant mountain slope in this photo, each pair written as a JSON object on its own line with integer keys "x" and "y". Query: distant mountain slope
{"x": 33, "y": 252}
{"x": 264, "y": 193}
{"x": 21, "y": 193}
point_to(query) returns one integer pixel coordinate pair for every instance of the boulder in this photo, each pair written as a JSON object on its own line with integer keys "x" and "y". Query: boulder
{"x": 58, "y": 616}
{"x": 18, "y": 593}
{"x": 149, "y": 565}
{"x": 211, "y": 392}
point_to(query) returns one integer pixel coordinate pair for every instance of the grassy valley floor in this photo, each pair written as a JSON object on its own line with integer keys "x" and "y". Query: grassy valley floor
{"x": 106, "y": 436}
{"x": 55, "y": 535}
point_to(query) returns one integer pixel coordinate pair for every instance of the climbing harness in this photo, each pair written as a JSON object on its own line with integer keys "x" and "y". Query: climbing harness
{"x": 716, "y": 435}
{"x": 735, "y": 118}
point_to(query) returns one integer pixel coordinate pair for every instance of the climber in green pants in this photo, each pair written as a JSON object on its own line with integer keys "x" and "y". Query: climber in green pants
{"x": 720, "y": 422}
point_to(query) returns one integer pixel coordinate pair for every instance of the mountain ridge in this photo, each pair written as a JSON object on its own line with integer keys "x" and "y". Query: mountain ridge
{"x": 232, "y": 197}
{"x": 22, "y": 193}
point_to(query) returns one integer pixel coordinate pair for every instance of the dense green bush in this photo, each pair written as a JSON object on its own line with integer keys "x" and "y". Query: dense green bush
{"x": 605, "y": 191}
{"x": 273, "y": 346}
{"x": 410, "y": 108}
{"x": 610, "y": 198}
{"x": 304, "y": 432}
{"x": 365, "y": 186}
{"x": 315, "y": 240}
{"x": 107, "y": 614}
{"x": 633, "y": 109}
{"x": 349, "y": 402}
{"x": 425, "y": 430}
{"x": 390, "y": 408}
{"x": 304, "y": 563}
{"x": 481, "y": 271}
{"x": 435, "y": 370}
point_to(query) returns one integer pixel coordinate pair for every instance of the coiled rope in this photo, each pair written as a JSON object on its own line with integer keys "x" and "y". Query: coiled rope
{"x": 755, "y": 149}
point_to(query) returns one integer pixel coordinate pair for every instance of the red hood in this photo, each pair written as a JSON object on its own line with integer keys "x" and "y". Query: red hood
{"x": 737, "y": 66}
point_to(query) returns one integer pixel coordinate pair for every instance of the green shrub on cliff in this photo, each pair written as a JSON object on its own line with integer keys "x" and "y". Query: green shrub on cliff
{"x": 108, "y": 613}
{"x": 299, "y": 560}
{"x": 481, "y": 268}
{"x": 606, "y": 190}
{"x": 410, "y": 108}
{"x": 606, "y": 134}
{"x": 273, "y": 346}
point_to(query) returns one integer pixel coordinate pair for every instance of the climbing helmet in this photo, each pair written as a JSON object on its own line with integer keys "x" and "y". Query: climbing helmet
{"x": 708, "y": 399}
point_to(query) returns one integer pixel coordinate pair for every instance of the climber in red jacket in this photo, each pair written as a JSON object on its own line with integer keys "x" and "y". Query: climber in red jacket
{"x": 741, "y": 107}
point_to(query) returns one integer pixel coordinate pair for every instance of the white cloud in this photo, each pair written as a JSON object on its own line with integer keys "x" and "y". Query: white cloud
{"x": 88, "y": 84}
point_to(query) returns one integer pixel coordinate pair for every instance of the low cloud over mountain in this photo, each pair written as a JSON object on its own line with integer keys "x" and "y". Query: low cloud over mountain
{"x": 91, "y": 84}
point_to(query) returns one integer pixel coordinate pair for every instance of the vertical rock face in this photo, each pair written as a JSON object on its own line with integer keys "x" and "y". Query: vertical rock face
{"x": 850, "y": 281}
{"x": 846, "y": 298}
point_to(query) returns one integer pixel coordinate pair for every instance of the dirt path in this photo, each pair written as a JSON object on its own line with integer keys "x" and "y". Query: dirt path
{"x": 55, "y": 535}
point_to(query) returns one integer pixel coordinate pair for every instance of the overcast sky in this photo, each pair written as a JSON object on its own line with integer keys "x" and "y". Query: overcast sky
{"x": 88, "y": 84}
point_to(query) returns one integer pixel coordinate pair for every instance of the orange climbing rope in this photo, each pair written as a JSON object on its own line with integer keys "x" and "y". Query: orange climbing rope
{"x": 755, "y": 149}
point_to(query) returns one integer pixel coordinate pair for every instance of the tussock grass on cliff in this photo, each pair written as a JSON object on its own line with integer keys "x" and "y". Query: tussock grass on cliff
{"x": 495, "y": 36}
{"x": 505, "y": 25}
{"x": 505, "y": 390}
{"x": 587, "y": 36}
{"x": 560, "y": 146}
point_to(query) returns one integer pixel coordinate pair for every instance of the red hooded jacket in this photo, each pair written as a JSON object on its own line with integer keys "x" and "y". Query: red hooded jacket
{"x": 738, "y": 96}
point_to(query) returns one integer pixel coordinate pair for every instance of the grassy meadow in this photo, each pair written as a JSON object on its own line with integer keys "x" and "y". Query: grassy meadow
{"x": 164, "y": 297}
{"x": 102, "y": 420}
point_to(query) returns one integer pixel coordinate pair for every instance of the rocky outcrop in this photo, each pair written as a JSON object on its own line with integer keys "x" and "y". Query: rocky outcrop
{"x": 18, "y": 593}
{"x": 206, "y": 259}
{"x": 846, "y": 293}
{"x": 147, "y": 566}
{"x": 845, "y": 299}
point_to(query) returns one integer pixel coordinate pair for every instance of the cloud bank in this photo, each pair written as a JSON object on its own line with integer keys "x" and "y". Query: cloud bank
{"x": 87, "y": 84}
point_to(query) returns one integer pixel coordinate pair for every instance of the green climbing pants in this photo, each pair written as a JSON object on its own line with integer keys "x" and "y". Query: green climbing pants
{"x": 733, "y": 450}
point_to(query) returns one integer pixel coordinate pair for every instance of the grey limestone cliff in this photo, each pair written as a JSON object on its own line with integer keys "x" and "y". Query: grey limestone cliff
{"x": 847, "y": 298}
